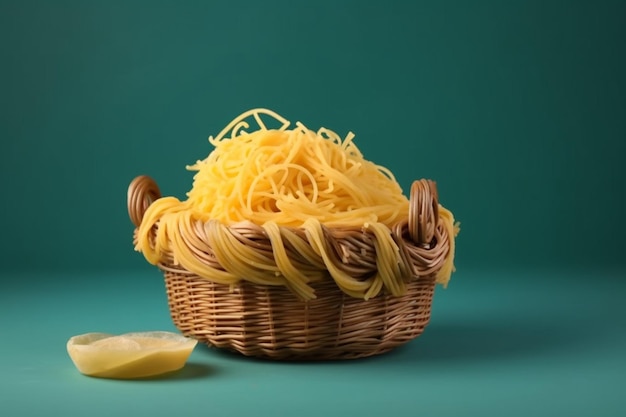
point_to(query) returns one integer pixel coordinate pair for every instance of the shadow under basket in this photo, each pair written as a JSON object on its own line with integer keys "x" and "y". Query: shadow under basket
{"x": 271, "y": 322}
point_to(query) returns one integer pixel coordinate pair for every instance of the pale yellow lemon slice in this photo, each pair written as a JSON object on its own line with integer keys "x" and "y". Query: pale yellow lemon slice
{"x": 131, "y": 355}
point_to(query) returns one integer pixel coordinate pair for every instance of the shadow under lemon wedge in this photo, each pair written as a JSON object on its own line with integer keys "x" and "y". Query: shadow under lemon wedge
{"x": 130, "y": 355}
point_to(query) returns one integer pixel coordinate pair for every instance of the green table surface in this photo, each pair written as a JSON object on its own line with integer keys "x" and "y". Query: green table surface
{"x": 508, "y": 343}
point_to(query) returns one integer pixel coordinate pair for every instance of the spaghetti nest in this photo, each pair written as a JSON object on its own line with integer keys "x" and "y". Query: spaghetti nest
{"x": 292, "y": 186}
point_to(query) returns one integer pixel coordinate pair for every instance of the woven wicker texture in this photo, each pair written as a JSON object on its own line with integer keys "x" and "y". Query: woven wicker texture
{"x": 271, "y": 322}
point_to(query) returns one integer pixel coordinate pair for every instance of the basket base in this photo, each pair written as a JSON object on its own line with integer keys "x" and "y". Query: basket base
{"x": 271, "y": 322}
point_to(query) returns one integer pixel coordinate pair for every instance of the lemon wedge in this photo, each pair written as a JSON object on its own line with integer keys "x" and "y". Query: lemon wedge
{"x": 130, "y": 355}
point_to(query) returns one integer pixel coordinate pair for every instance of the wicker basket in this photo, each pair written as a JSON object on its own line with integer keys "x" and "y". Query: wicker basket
{"x": 271, "y": 322}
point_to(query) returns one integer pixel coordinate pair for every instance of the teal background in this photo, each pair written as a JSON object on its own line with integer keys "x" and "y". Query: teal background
{"x": 516, "y": 108}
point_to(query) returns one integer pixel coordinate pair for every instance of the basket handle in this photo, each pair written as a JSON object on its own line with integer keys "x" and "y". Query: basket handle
{"x": 423, "y": 211}
{"x": 142, "y": 192}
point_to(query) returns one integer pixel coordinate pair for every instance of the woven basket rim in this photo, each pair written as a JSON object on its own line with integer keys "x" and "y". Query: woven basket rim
{"x": 422, "y": 240}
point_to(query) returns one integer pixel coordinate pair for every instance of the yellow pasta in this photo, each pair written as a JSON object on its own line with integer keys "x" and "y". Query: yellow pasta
{"x": 282, "y": 179}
